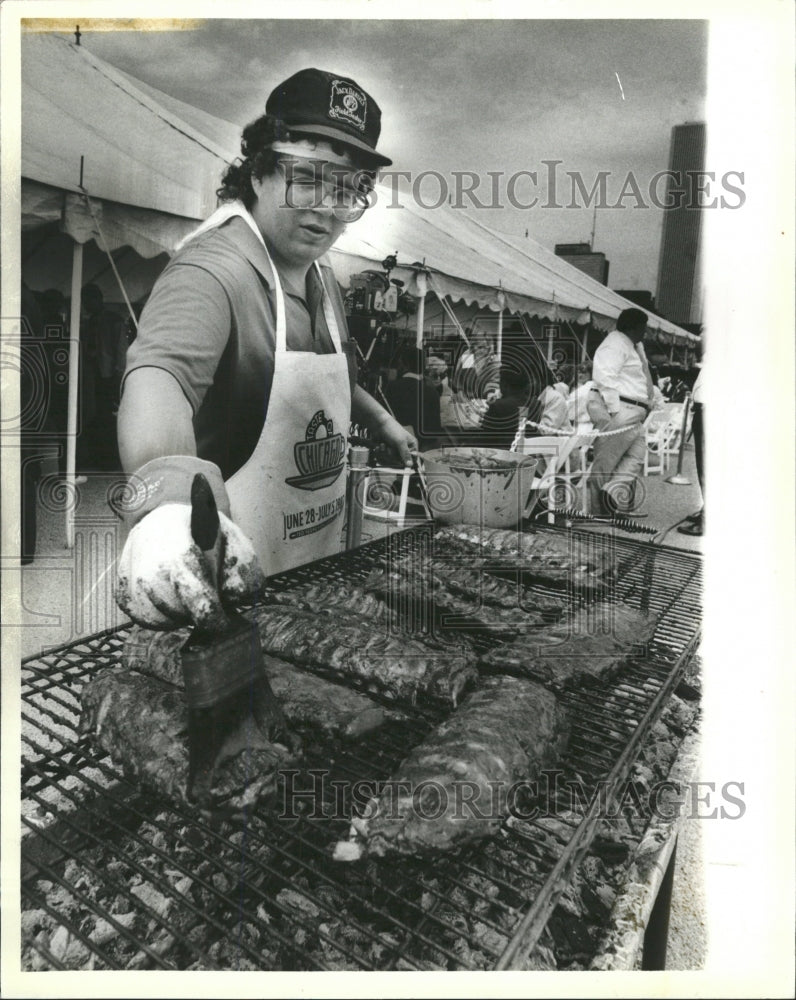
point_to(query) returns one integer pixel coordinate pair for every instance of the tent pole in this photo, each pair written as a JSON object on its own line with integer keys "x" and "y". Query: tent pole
{"x": 74, "y": 368}
{"x": 502, "y": 303}
{"x": 422, "y": 288}
{"x": 583, "y": 353}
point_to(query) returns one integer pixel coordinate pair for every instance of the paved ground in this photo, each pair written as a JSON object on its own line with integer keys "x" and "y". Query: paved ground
{"x": 67, "y": 593}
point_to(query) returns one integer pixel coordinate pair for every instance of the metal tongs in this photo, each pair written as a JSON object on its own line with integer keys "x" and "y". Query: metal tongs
{"x": 614, "y": 520}
{"x": 417, "y": 465}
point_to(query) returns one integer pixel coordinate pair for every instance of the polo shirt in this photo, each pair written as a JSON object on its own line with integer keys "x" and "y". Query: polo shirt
{"x": 210, "y": 322}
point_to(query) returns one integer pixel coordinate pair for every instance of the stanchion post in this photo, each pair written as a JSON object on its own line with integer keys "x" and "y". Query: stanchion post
{"x": 678, "y": 479}
{"x": 357, "y": 473}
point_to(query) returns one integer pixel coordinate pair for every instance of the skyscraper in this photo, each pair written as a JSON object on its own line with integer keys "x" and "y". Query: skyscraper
{"x": 581, "y": 256}
{"x": 679, "y": 296}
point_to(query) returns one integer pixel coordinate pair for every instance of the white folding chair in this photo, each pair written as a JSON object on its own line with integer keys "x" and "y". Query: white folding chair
{"x": 379, "y": 495}
{"x": 672, "y": 431}
{"x": 378, "y": 489}
{"x": 656, "y": 433}
{"x": 581, "y": 449}
{"x": 554, "y": 453}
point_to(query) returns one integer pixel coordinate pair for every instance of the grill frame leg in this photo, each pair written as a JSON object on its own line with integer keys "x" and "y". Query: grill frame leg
{"x": 656, "y": 935}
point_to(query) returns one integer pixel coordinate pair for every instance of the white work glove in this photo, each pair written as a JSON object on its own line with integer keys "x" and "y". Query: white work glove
{"x": 164, "y": 580}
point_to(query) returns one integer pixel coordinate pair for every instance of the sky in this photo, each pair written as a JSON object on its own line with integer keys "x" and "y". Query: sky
{"x": 473, "y": 95}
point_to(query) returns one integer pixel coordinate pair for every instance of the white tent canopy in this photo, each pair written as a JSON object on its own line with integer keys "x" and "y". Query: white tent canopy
{"x": 470, "y": 262}
{"x": 151, "y": 165}
{"x": 135, "y": 151}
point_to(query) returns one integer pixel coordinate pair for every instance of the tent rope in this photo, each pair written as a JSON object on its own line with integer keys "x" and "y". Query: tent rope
{"x": 451, "y": 315}
{"x": 104, "y": 246}
{"x": 533, "y": 340}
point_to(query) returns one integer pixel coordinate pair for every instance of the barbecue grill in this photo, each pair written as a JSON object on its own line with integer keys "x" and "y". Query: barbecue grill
{"x": 115, "y": 878}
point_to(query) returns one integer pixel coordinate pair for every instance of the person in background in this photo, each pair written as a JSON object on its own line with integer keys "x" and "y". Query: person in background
{"x": 56, "y": 344}
{"x": 436, "y": 371}
{"x": 577, "y": 409}
{"x": 477, "y": 370}
{"x": 554, "y": 406}
{"x": 32, "y": 396}
{"x": 502, "y": 419}
{"x": 104, "y": 339}
{"x": 106, "y": 331}
{"x": 623, "y": 379}
{"x": 695, "y": 523}
{"x": 414, "y": 400}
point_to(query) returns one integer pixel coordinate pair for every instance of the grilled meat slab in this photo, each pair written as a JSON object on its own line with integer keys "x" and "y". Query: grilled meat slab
{"x": 142, "y": 722}
{"x": 587, "y": 648}
{"x": 457, "y": 786}
{"x": 360, "y": 607}
{"x": 334, "y": 596}
{"x": 474, "y": 581}
{"x": 408, "y": 583}
{"x": 305, "y": 699}
{"x": 550, "y": 558}
{"x": 396, "y": 666}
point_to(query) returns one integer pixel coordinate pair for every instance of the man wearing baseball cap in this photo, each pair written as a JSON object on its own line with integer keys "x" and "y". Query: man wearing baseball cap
{"x": 242, "y": 369}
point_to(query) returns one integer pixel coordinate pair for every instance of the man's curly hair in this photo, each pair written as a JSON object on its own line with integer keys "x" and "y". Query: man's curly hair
{"x": 258, "y": 159}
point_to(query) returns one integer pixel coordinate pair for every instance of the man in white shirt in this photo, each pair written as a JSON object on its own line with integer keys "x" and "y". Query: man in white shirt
{"x": 622, "y": 377}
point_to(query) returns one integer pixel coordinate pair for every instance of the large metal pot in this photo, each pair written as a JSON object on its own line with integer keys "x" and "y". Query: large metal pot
{"x": 484, "y": 486}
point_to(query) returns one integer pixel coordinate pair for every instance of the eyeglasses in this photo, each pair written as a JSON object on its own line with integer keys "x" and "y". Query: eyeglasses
{"x": 318, "y": 184}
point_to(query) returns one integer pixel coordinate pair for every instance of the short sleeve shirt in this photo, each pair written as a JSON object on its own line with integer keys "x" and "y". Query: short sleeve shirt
{"x": 211, "y": 323}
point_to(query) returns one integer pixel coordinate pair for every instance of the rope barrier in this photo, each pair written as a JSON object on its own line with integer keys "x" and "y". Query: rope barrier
{"x": 575, "y": 433}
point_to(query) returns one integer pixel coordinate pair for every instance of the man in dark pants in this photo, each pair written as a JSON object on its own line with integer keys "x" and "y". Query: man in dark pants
{"x": 695, "y": 523}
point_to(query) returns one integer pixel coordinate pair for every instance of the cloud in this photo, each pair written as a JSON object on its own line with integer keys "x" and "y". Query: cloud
{"x": 460, "y": 94}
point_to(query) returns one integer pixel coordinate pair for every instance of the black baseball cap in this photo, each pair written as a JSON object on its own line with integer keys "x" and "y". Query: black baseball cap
{"x": 314, "y": 102}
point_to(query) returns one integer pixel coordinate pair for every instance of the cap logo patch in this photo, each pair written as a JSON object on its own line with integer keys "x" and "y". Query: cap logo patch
{"x": 348, "y": 104}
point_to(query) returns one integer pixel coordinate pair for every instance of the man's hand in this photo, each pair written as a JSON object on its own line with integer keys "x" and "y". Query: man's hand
{"x": 398, "y": 438}
{"x": 366, "y": 411}
{"x": 165, "y": 581}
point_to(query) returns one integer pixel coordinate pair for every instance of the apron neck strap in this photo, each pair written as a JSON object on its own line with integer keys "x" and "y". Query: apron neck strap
{"x": 328, "y": 311}
{"x": 237, "y": 208}
{"x": 281, "y": 322}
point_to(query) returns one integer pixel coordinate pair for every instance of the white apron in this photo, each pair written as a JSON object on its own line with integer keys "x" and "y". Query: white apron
{"x": 289, "y": 497}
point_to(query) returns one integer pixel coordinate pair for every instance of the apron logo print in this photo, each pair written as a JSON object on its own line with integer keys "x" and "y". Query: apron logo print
{"x": 320, "y": 457}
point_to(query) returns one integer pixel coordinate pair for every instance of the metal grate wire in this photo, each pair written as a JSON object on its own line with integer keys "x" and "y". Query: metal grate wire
{"x": 178, "y": 892}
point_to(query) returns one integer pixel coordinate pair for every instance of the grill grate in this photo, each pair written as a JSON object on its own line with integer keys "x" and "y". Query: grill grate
{"x": 136, "y": 882}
